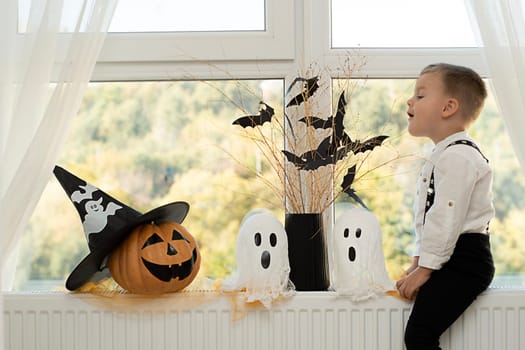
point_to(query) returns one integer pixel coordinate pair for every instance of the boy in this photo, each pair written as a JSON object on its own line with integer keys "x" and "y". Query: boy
{"x": 452, "y": 263}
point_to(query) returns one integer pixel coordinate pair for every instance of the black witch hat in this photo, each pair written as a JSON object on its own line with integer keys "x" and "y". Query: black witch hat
{"x": 107, "y": 222}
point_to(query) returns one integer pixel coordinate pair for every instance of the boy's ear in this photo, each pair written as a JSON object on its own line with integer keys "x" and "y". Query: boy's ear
{"x": 450, "y": 108}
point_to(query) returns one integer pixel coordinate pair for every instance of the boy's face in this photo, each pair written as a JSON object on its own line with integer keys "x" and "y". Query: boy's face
{"x": 425, "y": 108}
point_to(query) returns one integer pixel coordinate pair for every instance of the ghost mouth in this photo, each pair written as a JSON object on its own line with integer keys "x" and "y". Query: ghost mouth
{"x": 168, "y": 272}
{"x": 265, "y": 259}
{"x": 351, "y": 254}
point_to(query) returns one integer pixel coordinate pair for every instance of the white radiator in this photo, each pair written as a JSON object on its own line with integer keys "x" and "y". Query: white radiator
{"x": 209, "y": 320}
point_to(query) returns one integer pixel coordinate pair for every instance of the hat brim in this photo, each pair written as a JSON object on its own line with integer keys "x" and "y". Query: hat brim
{"x": 83, "y": 272}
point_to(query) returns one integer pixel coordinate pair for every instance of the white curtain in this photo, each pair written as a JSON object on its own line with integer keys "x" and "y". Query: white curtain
{"x": 500, "y": 28}
{"x": 47, "y": 57}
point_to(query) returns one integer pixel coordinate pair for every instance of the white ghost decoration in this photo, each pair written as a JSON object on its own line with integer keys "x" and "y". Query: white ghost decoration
{"x": 359, "y": 270}
{"x": 96, "y": 217}
{"x": 263, "y": 268}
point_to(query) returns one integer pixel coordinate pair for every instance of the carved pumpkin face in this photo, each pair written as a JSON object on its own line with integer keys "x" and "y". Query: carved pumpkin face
{"x": 156, "y": 259}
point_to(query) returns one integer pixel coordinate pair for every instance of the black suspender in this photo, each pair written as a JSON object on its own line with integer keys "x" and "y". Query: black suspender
{"x": 431, "y": 191}
{"x": 468, "y": 143}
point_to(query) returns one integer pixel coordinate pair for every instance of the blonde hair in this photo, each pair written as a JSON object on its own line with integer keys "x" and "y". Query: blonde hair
{"x": 464, "y": 84}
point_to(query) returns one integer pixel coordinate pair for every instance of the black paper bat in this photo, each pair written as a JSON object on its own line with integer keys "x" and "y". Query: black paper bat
{"x": 316, "y": 122}
{"x": 332, "y": 122}
{"x": 368, "y": 145}
{"x": 357, "y": 147}
{"x": 339, "y": 133}
{"x": 319, "y": 123}
{"x": 336, "y": 146}
{"x": 339, "y": 136}
{"x": 324, "y": 154}
{"x": 265, "y": 115}
{"x": 311, "y": 160}
{"x": 309, "y": 88}
{"x": 348, "y": 180}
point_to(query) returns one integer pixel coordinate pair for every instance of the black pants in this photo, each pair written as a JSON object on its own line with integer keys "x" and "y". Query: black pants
{"x": 449, "y": 291}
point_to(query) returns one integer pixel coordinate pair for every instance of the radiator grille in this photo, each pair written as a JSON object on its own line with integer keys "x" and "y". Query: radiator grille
{"x": 211, "y": 321}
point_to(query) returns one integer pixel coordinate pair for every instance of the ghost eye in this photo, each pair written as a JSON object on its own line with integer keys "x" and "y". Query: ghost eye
{"x": 258, "y": 239}
{"x": 346, "y": 233}
{"x": 358, "y": 233}
{"x": 273, "y": 239}
{"x": 153, "y": 239}
{"x": 176, "y": 236}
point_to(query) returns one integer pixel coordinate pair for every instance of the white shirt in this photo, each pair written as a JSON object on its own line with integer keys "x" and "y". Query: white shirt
{"x": 462, "y": 202}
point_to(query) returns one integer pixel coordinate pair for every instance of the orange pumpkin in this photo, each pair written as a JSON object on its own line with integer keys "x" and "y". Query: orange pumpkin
{"x": 156, "y": 259}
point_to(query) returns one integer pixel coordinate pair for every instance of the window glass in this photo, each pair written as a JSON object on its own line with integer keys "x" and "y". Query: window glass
{"x": 379, "y": 107}
{"x": 401, "y": 23}
{"x": 168, "y": 16}
{"x": 195, "y": 15}
{"x": 150, "y": 143}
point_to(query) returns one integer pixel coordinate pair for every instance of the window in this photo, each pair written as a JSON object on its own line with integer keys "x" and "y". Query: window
{"x": 404, "y": 23}
{"x": 380, "y": 107}
{"x": 150, "y": 143}
{"x": 196, "y": 15}
{"x": 144, "y": 75}
{"x": 249, "y": 30}
{"x": 132, "y": 16}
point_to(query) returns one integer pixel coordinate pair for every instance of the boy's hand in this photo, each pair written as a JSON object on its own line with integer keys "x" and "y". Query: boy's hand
{"x": 409, "y": 285}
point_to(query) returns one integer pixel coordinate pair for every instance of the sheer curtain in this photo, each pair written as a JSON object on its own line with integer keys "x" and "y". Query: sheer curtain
{"x": 48, "y": 55}
{"x": 500, "y": 28}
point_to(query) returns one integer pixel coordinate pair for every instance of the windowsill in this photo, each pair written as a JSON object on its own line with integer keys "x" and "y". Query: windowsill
{"x": 511, "y": 282}
{"x": 231, "y": 303}
{"x": 509, "y": 287}
{"x": 502, "y": 282}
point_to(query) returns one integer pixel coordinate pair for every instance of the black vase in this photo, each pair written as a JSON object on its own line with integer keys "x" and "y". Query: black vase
{"x": 307, "y": 251}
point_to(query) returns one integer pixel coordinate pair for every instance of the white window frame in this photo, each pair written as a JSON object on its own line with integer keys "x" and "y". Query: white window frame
{"x": 297, "y": 37}
{"x": 200, "y": 55}
{"x": 383, "y": 62}
{"x": 297, "y": 34}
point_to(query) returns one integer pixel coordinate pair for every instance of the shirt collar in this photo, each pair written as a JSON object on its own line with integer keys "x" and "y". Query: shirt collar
{"x": 441, "y": 145}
